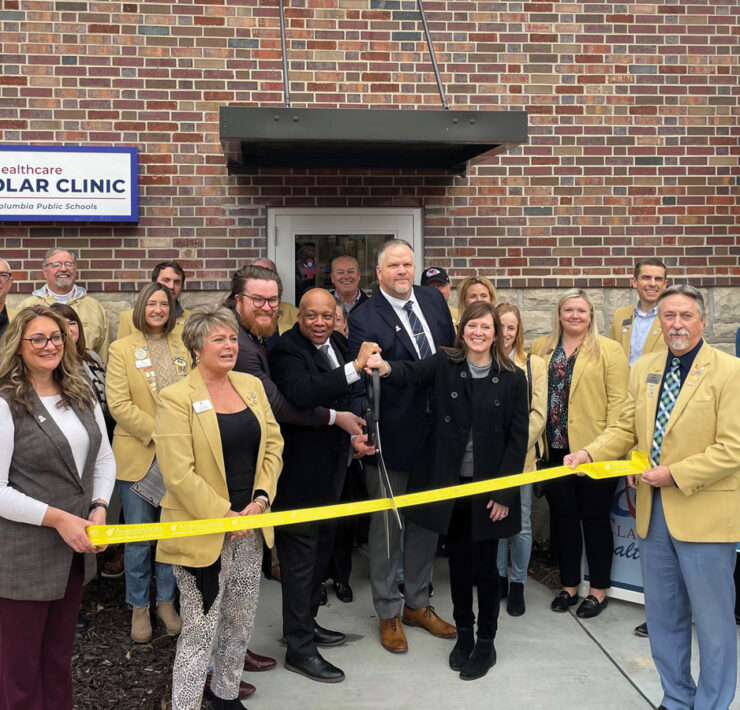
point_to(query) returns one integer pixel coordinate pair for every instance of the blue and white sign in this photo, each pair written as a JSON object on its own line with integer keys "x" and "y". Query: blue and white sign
{"x": 69, "y": 183}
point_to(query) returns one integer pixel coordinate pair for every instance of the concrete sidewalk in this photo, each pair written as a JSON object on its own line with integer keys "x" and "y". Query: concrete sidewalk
{"x": 545, "y": 660}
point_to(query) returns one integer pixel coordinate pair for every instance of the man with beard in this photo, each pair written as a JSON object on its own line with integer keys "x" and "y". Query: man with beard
{"x": 287, "y": 312}
{"x": 681, "y": 407}
{"x": 60, "y": 274}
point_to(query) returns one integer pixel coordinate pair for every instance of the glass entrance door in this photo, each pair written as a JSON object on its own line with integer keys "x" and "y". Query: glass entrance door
{"x": 305, "y": 241}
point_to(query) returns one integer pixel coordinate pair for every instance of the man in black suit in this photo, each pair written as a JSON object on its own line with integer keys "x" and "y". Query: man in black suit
{"x": 311, "y": 367}
{"x": 408, "y": 323}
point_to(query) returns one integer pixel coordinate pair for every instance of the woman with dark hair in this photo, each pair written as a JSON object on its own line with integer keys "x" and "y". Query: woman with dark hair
{"x": 479, "y": 432}
{"x": 139, "y": 367}
{"x": 92, "y": 366}
{"x": 56, "y": 477}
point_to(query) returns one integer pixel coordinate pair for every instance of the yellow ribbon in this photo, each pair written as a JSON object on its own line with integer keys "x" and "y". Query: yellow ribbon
{"x": 112, "y": 534}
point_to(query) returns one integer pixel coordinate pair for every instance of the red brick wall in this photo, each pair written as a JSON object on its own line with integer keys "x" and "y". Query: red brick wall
{"x": 633, "y": 129}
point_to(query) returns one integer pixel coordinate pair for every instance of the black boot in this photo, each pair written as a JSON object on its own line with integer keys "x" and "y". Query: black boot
{"x": 221, "y": 704}
{"x": 482, "y": 658}
{"x": 462, "y": 649}
{"x": 515, "y": 603}
{"x": 504, "y": 583}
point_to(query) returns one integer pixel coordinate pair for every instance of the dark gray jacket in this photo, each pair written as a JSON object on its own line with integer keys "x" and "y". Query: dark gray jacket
{"x": 34, "y": 561}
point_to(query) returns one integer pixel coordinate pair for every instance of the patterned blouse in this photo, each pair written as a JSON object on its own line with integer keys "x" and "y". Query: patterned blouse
{"x": 559, "y": 376}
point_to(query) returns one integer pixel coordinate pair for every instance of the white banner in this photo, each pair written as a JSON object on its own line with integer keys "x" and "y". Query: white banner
{"x": 68, "y": 183}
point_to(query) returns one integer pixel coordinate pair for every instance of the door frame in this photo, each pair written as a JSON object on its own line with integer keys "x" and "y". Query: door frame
{"x": 283, "y": 223}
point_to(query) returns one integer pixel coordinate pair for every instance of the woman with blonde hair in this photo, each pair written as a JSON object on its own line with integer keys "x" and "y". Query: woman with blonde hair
{"x": 475, "y": 288}
{"x": 140, "y": 366}
{"x": 220, "y": 451}
{"x": 586, "y": 386}
{"x": 56, "y": 477}
{"x": 520, "y": 545}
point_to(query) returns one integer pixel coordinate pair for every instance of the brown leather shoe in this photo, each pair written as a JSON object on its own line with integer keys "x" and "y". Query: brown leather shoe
{"x": 427, "y": 619}
{"x": 392, "y": 637}
{"x": 114, "y": 569}
{"x": 245, "y": 689}
{"x": 254, "y": 663}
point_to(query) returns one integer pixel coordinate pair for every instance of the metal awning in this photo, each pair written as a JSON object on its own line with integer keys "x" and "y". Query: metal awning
{"x": 255, "y": 137}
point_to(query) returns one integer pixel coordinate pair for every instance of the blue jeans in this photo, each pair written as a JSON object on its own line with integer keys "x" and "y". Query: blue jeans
{"x": 521, "y": 543}
{"x": 138, "y": 555}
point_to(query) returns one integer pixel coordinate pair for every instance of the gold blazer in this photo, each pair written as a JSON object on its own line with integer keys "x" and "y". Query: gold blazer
{"x": 131, "y": 391}
{"x": 597, "y": 390}
{"x": 701, "y": 445}
{"x": 190, "y": 456}
{"x": 621, "y": 332}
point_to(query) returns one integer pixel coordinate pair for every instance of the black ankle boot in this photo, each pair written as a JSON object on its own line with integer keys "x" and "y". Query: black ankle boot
{"x": 462, "y": 649}
{"x": 481, "y": 660}
{"x": 515, "y": 603}
{"x": 221, "y": 704}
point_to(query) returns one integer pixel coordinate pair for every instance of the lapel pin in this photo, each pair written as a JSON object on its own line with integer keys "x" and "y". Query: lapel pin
{"x": 398, "y": 327}
{"x": 42, "y": 418}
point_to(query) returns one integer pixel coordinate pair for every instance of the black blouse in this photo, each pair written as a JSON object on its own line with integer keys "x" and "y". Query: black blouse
{"x": 240, "y": 440}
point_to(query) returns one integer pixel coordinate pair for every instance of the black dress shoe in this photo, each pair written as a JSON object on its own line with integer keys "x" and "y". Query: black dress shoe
{"x": 343, "y": 592}
{"x": 221, "y": 704}
{"x": 481, "y": 660}
{"x": 324, "y": 637}
{"x": 591, "y": 607}
{"x": 642, "y": 630}
{"x": 563, "y": 601}
{"x": 316, "y": 668}
{"x": 322, "y": 595}
{"x": 515, "y": 603}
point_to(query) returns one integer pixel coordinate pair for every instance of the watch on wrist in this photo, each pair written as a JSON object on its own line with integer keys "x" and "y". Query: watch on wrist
{"x": 97, "y": 504}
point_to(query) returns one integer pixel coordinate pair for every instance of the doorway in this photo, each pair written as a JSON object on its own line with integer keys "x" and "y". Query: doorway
{"x": 303, "y": 241}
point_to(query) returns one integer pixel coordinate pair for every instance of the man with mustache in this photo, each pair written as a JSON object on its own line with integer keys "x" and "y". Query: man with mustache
{"x": 60, "y": 274}
{"x": 682, "y": 409}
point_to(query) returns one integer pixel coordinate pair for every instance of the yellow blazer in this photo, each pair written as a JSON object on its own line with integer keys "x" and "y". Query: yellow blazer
{"x": 126, "y": 323}
{"x": 12, "y": 312}
{"x": 287, "y": 316}
{"x": 622, "y": 332}
{"x": 131, "y": 391}
{"x": 597, "y": 390}
{"x": 701, "y": 445}
{"x": 537, "y": 409}
{"x": 191, "y": 459}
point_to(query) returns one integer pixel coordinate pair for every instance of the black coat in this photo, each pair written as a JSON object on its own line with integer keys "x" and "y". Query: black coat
{"x": 314, "y": 458}
{"x": 496, "y": 408}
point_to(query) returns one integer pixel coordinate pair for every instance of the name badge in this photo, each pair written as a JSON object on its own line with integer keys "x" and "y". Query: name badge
{"x": 653, "y": 378}
{"x": 146, "y": 362}
{"x": 203, "y": 406}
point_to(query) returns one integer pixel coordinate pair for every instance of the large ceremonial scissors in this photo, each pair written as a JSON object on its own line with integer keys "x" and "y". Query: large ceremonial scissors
{"x": 372, "y": 419}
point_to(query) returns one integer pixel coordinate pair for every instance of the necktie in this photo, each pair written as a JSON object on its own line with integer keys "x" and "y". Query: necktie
{"x": 671, "y": 388}
{"x": 418, "y": 330}
{"x": 324, "y": 350}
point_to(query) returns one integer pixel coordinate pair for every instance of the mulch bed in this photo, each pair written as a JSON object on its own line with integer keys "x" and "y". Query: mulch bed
{"x": 109, "y": 670}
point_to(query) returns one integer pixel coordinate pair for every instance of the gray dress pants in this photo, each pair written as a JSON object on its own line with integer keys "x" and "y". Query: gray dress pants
{"x": 419, "y": 546}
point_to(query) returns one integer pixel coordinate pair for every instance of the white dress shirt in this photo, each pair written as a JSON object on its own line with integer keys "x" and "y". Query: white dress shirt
{"x": 403, "y": 316}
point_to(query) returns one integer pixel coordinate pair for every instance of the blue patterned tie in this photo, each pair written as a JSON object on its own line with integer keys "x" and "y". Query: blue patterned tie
{"x": 418, "y": 329}
{"x": 671, "y": 388}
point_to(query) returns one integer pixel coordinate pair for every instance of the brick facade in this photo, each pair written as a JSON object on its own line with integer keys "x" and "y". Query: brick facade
{"x": 633, "y": 112}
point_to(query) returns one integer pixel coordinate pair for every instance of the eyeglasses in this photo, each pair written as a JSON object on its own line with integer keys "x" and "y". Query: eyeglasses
{"x": 5, "y": 275}
{"x": 59, "y": 264}
{"x": 259, "y": 301}
{"x": 39, "y": 342}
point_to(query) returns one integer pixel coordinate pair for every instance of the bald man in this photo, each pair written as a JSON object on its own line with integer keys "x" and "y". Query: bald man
{"x": 311, "y": 367}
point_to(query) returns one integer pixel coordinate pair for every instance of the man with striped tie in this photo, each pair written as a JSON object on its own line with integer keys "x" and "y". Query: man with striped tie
{"x": 408, "y": 323}
{"x": 682, "y": 409}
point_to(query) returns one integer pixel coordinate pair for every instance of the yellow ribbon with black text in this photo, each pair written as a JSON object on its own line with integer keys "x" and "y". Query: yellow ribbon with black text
{"x": 112, "y": 534}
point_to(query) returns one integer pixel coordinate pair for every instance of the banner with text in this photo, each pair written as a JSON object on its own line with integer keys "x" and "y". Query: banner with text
{"x": 68, "y": 183}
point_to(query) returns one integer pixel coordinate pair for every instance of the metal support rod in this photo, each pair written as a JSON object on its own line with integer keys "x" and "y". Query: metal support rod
{"x": 286, "y": 82}
{"x": 431, "y": 54}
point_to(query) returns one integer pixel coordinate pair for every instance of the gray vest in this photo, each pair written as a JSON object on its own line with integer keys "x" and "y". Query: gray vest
{"x": 34, "y": 561}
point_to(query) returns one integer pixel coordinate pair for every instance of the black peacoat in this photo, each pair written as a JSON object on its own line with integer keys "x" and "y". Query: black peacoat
{"x": 496, "y": 408}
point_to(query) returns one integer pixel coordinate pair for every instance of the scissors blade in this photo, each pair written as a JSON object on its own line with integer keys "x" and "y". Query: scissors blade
{"x": 385, "y": 481}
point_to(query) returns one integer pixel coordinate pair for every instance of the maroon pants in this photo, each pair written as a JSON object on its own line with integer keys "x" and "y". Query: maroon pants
{"x": 36, "y": 643}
